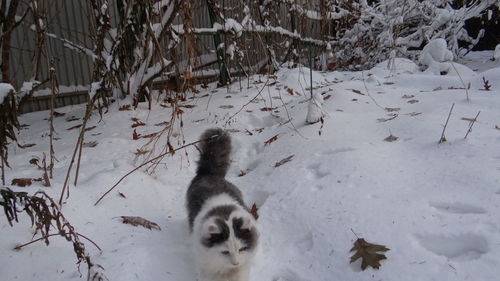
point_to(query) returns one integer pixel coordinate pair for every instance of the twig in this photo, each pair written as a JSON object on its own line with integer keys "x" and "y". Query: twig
{"x": 368, "y": 92}
{"x": 250, "y": 101}
{"x": 443, "y": 139}
{"x": 79, "y": 143}
{"x": 147, "y": 162}
{"x": 19, "y": 247}
{"x": 461, "y": 80}
{"x": 471, "y": 124}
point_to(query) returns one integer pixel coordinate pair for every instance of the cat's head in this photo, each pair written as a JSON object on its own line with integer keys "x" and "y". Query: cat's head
{"x": 230, "y": 243}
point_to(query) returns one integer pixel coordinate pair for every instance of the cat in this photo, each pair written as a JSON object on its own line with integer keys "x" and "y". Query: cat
{"x": 224, "y": 232}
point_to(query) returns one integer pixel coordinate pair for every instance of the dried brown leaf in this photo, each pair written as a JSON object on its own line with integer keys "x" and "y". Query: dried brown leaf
{"x": 74, "y": 127}
{"x": 408, "y": 96}
{"x": 135, "y": 135}
{"x": 392, "y": 109}
{"x": 255, "y": 211}
{"x": 137, "y": 124}
{"x": 283, "y": 161}
{"x": 124, "y": 107}
{"x": 391, "y": 138}
{"x": 368, "y": 253}
{"x": 149, "y": 135}
{"x": 357, "y": 92}
{"x": 271, "y": 140}
{"x": 58, "y": 114}
{"x": 90, "y": 128}
{"x": 226, "y": 106}
{"x": 22, "y": 182}
{"x": 138, "y": 221}
{"x": 90, "y": 144}
{"x": 412, "y": 101}
{"x": 268, "y": 108}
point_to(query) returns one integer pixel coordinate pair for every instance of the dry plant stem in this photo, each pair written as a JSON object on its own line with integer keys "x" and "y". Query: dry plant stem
{"x": 78, "y": 147}
{"x": 461, "y": 80}
{"x": 147, "y": 162}
{"x": 54, "y": 87}
{"x": 442, "y": 139}
{"x": 368, "y": 92}
{"x": 472, "y": 124}
{"x": 19, "y": 247}
{"x": 250, "y": 101}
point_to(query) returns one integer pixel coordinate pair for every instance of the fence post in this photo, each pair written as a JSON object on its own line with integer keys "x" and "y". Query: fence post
{"x": 224, "y": 78}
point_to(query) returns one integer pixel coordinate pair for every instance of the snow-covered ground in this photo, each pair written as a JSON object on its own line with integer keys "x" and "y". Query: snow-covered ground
{"x": 436, "y": 206}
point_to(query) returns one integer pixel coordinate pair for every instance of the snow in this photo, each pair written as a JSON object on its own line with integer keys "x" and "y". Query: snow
{"x": 434, "y": 205}
{"x": 5, "y": 89}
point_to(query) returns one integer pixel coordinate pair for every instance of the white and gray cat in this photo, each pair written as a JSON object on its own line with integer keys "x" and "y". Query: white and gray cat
{"x": 224, "y": 233}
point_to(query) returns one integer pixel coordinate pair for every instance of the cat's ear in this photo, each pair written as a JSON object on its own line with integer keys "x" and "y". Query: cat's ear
{"x": 211, "y": 228}
{"x": 247, "y": 223}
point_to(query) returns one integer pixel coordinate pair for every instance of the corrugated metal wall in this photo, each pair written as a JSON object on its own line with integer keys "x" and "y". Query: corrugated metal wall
{"x": 72, "y": 20}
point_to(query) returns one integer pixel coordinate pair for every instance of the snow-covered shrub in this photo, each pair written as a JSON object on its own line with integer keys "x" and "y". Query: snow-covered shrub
{"x": 374, "y": 29}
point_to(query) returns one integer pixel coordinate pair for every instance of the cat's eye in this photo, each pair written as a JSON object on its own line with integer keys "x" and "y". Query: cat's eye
{"x": 243, "y": 249}
{"x": 225, "y": 253}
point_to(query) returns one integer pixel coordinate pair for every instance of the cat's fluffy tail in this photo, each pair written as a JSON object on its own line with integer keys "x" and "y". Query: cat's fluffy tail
{"x": 215, "y": 150}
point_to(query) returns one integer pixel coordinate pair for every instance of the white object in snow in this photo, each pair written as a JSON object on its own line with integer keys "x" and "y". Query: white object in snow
{"x": 435, "y": 51}
{"x": 496, "y": 55}
{"x": 315, "y": 110}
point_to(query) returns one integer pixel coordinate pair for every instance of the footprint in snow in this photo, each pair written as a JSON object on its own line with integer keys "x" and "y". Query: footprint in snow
{"x": 317, "y": 171}
{"x": 462, "y": 247}
{"x": 457, "y": 208}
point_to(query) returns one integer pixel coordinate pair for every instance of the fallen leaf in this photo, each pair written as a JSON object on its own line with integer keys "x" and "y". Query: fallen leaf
{"x": 74, "y": 127}
{"x": 124, "y": 107}
{"x": 137, "y": 124}
{"x": 138, "y": 221}
{"x": 414, "y": 113}
{"x": 122, "y": 195}
{"x": 58, "y": 114}
{"x": 90, "y": 144}
{"x": 226, "y": 106}
{"x": 327, "y": 97}
{"x": 368, "y": 253}
{"x": 469, "y": 119}
{"x": 387, "y": 119}
{"x": 268, "y": 108}
{"x": 283, "y": 161}
{"x": 412, "y": 101}
{"x": 392, "y": 109}
{"x": 388, "y": 83}
{"x": 408, "y": 96}
{"x": 135, "y": 135}
{"x": 188, "y": 105}
{"x": 22, "y": 182}
{"x": 149, "y": 135}
{"x": 357, "y": 92}
{"x": 141, "y": 152}
{"x": 242, "y": 173}
{"x": 271, "y": 140}
{"x": 72, "y": 118}
{"x": 391, "y": 138}
{"x": 90, "y": 128}
{"x": 26, "y": 145}
{"x": 254, "y": 211}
